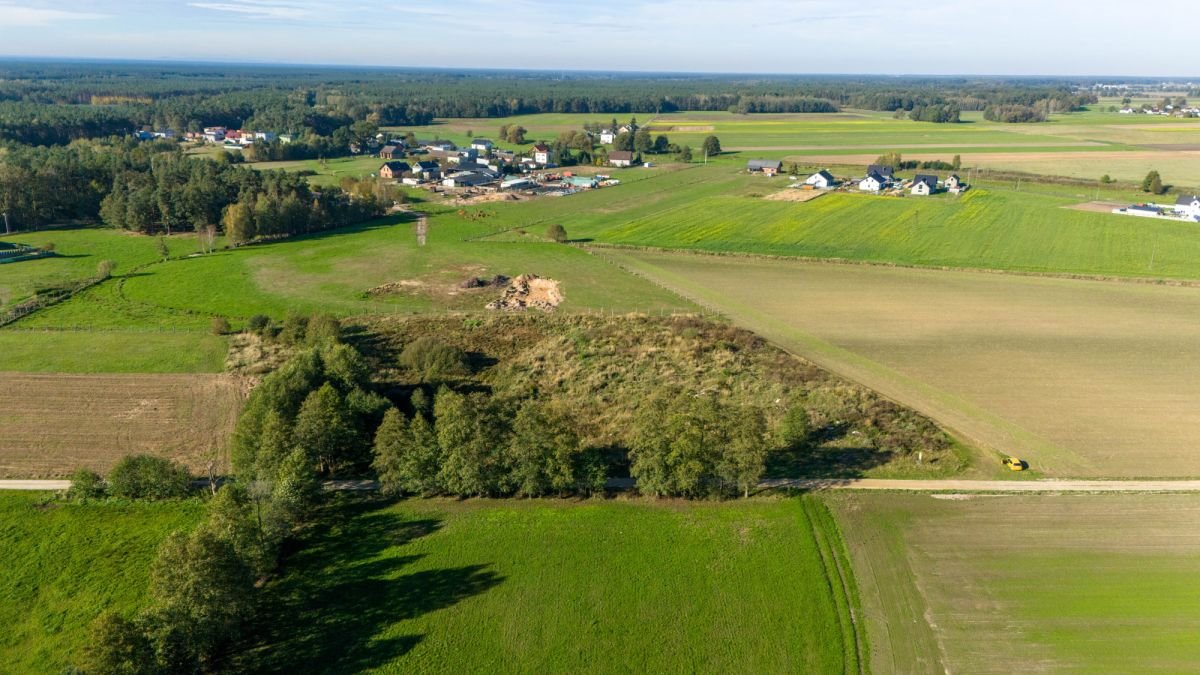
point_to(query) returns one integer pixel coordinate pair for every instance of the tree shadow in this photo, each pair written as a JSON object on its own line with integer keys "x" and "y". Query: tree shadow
{"x": 821, "y": 457}
{"x": 345, "y": 588}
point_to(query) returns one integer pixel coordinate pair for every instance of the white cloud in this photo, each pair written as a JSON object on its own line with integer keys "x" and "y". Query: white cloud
{"x": 13, "y": 16}
{"x": 261, "y": 9}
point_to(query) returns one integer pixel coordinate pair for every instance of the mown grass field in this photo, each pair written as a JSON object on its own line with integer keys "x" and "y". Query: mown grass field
{"x": 1081, "y": 378}
{"x": 111, "y": 351}
{"x": 1050, "y": 583}
{"x": 548, "y": 586}
{"x": 64, "y": 564}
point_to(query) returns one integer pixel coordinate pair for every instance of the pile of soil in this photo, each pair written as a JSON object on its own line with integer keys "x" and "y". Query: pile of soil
{"x": 394, "y": 287}
{"x": 529, "y": 291}
{"x": 479, "y": 282}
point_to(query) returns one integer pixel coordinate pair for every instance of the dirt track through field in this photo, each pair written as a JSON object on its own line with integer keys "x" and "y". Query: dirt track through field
{"x": 918, "y": 146}
{"x": 983, "y": 159}
{"x": 53, "y": 423}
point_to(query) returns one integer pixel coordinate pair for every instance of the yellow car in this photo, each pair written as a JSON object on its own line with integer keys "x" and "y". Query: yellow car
{"x": 1015, "y": 464}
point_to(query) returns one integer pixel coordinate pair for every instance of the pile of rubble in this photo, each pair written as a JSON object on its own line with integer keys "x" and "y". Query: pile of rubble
{"x": 529, "y": 291}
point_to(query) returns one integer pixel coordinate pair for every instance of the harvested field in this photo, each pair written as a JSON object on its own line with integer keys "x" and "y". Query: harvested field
{"x": 1081, "y": 378}
{"x": 1047, "y": 583}
{"x": 794, "y": 195}
{"x": 185, "y": 417}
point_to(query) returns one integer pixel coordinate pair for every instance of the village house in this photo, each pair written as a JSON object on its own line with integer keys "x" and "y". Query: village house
{"x": 427, "y": 170}
{"x": 953, "y": 182}
{"x": 541, "y": 154}
{"x": 394, "y": 170}
{"x": 822, "y": 180}
{"x": 390, "y": 152}
{"x": 874, "y": 182}
{"x": 887, "y": 173}
{"x": 1188, "y": 206}
{"x": 924, "y": 185}
{"x": 622, "y": 158}
{"x": 609, "y": 136}
{"x": 482, "y": 145}
{"x": 768, "y": 167}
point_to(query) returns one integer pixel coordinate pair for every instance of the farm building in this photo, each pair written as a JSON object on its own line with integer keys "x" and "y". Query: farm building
{"x": 620, "y": 158}
{"x": 1188, "y": 206}
{"x": 482, "y": 145}
{"x": 464, "y": 179}
{"x": 394, "y": 170}
{"x": 390, "y": 152}
{"x": 924, "y": 185}
{"x": 541, "y": 154}
{"x": 609, "y": 136}
{"x": 953, "y": 182}
{"x": 427, "y": 170}
{"x": 821, "y": 180}
{"x": 440, "y": 146}
{"x": 769, "y": 167}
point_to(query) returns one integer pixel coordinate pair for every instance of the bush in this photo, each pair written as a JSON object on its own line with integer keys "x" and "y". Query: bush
{"x": 258, "y": 323}
{"x": 148, "y": 477}
{"x": 104, "y": 269}
{"x": 85, "y": 484}
{"x": 433, "y": 358}
{"x": 220, "y": 326}
{"x": 557, "y": 233}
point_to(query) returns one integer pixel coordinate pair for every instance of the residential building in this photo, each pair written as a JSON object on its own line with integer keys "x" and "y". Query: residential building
{"x": 873, "y": 182}
{"x": 769, "y": 167}
{"x": 953, "y": 182}
{"x": 482, "y": 145}
{"x": 821, "y": 180}
{"x": 391, "y": 152}
{"x": 1188, "y": 206}
{"x": 924, "y": 185}
{"x": 427, "y": 170}
{"x": 394, "y": 170}
{"x": 885, "y": 172}
{"x": 541, "y": 154}
{"x": 620, "y": 158}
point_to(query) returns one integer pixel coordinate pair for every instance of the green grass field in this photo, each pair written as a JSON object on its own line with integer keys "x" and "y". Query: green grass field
{"x": 1081, "y": 378}
{"x": 111, "y": 351}
{"x": 1051, "y": 583}
{"x": 64, "y": 564}
{"x": 548, "y": 586}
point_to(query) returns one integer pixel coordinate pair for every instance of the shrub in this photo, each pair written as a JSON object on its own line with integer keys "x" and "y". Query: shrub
{"x": 557, "y": 233}
{"x": 220, "y": 325}
{"x": 258, "y": 323}
{"x": 85, "y": 484}
{"x": 148, "y": 477}
{"x": 323, "y": 328}
{"x": 104, "y": 269}
{"x": 433, "y": 358}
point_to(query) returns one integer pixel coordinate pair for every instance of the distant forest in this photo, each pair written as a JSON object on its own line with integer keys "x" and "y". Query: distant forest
{"x": 54, "y": 103}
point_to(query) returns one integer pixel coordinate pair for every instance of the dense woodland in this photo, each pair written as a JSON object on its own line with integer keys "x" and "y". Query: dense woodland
{"x": 54, "y": 103}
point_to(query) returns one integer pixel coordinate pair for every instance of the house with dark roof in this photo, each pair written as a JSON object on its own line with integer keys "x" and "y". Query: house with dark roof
{"x": 768, "y": 167}
{"x": 1188, "y": 206}
{"x": 391, "y": 152}
{"x": 953, "y": 182}
{"x": 620, "y": 158}
{"x": 394, "y": 170}
{"x": 427, "y": 170}
{"x": 482, "y": 145}
{"x": 821, "y": 180}
{"x": 467, "y": 179}
{"x": 924, "y": 185}
{"x": 874, "y": 182}
{"x": 886, "y": 172}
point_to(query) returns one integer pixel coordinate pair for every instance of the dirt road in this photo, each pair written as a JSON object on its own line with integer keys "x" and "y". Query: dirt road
{"x": 950, "y": 485}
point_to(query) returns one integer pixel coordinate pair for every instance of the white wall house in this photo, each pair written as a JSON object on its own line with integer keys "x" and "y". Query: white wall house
{"x": 821, "y": 180}
{"x": 541, "y": 154}
{"x": 1188, "y": 206}
{"x": 924, "y": 185}
{"x": 871, "y": 183}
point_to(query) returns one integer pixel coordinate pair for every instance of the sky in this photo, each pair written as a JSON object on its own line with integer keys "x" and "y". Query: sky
{"x": 993, "y": 37}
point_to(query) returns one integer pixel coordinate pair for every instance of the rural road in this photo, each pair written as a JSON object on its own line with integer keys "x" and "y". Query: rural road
{"x": 952, "y": 485}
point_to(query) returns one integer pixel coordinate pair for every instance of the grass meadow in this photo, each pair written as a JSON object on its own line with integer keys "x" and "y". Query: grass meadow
{"x": 550, "y": 586}
{"x": 1081, "y": 378}
{"x": 65, "y": 564}
{"x": 1086, "y": 583}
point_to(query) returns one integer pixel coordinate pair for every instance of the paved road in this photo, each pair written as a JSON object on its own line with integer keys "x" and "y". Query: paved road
{"x": 819, "y": 484}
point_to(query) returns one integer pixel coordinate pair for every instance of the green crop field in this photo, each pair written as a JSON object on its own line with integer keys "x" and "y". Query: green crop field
{"x": 111, "y": 351}
{"x": 1051, "y": 583}
{"x": 1082, "y": 378}
{"x": 549, "y": 586}
{"x": 64, "y": 564}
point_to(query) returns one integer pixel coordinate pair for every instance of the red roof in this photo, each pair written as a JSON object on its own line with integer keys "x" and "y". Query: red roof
{"x": 541, "y": 147}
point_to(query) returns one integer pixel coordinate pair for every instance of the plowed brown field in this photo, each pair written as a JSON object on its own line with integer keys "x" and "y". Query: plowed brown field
{"x": 53, "y": 423}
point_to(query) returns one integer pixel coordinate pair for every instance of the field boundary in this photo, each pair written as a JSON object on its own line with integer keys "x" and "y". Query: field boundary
{"x": 1149, "y": 281}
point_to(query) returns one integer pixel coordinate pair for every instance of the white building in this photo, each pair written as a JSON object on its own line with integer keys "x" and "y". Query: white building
{"x": 924, "y": 185}
{"x": 872, "y": 183}
{"x": 541, "y": 154}
{"x": 1188, "y": 206}
{"x": 821, "y": 180}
